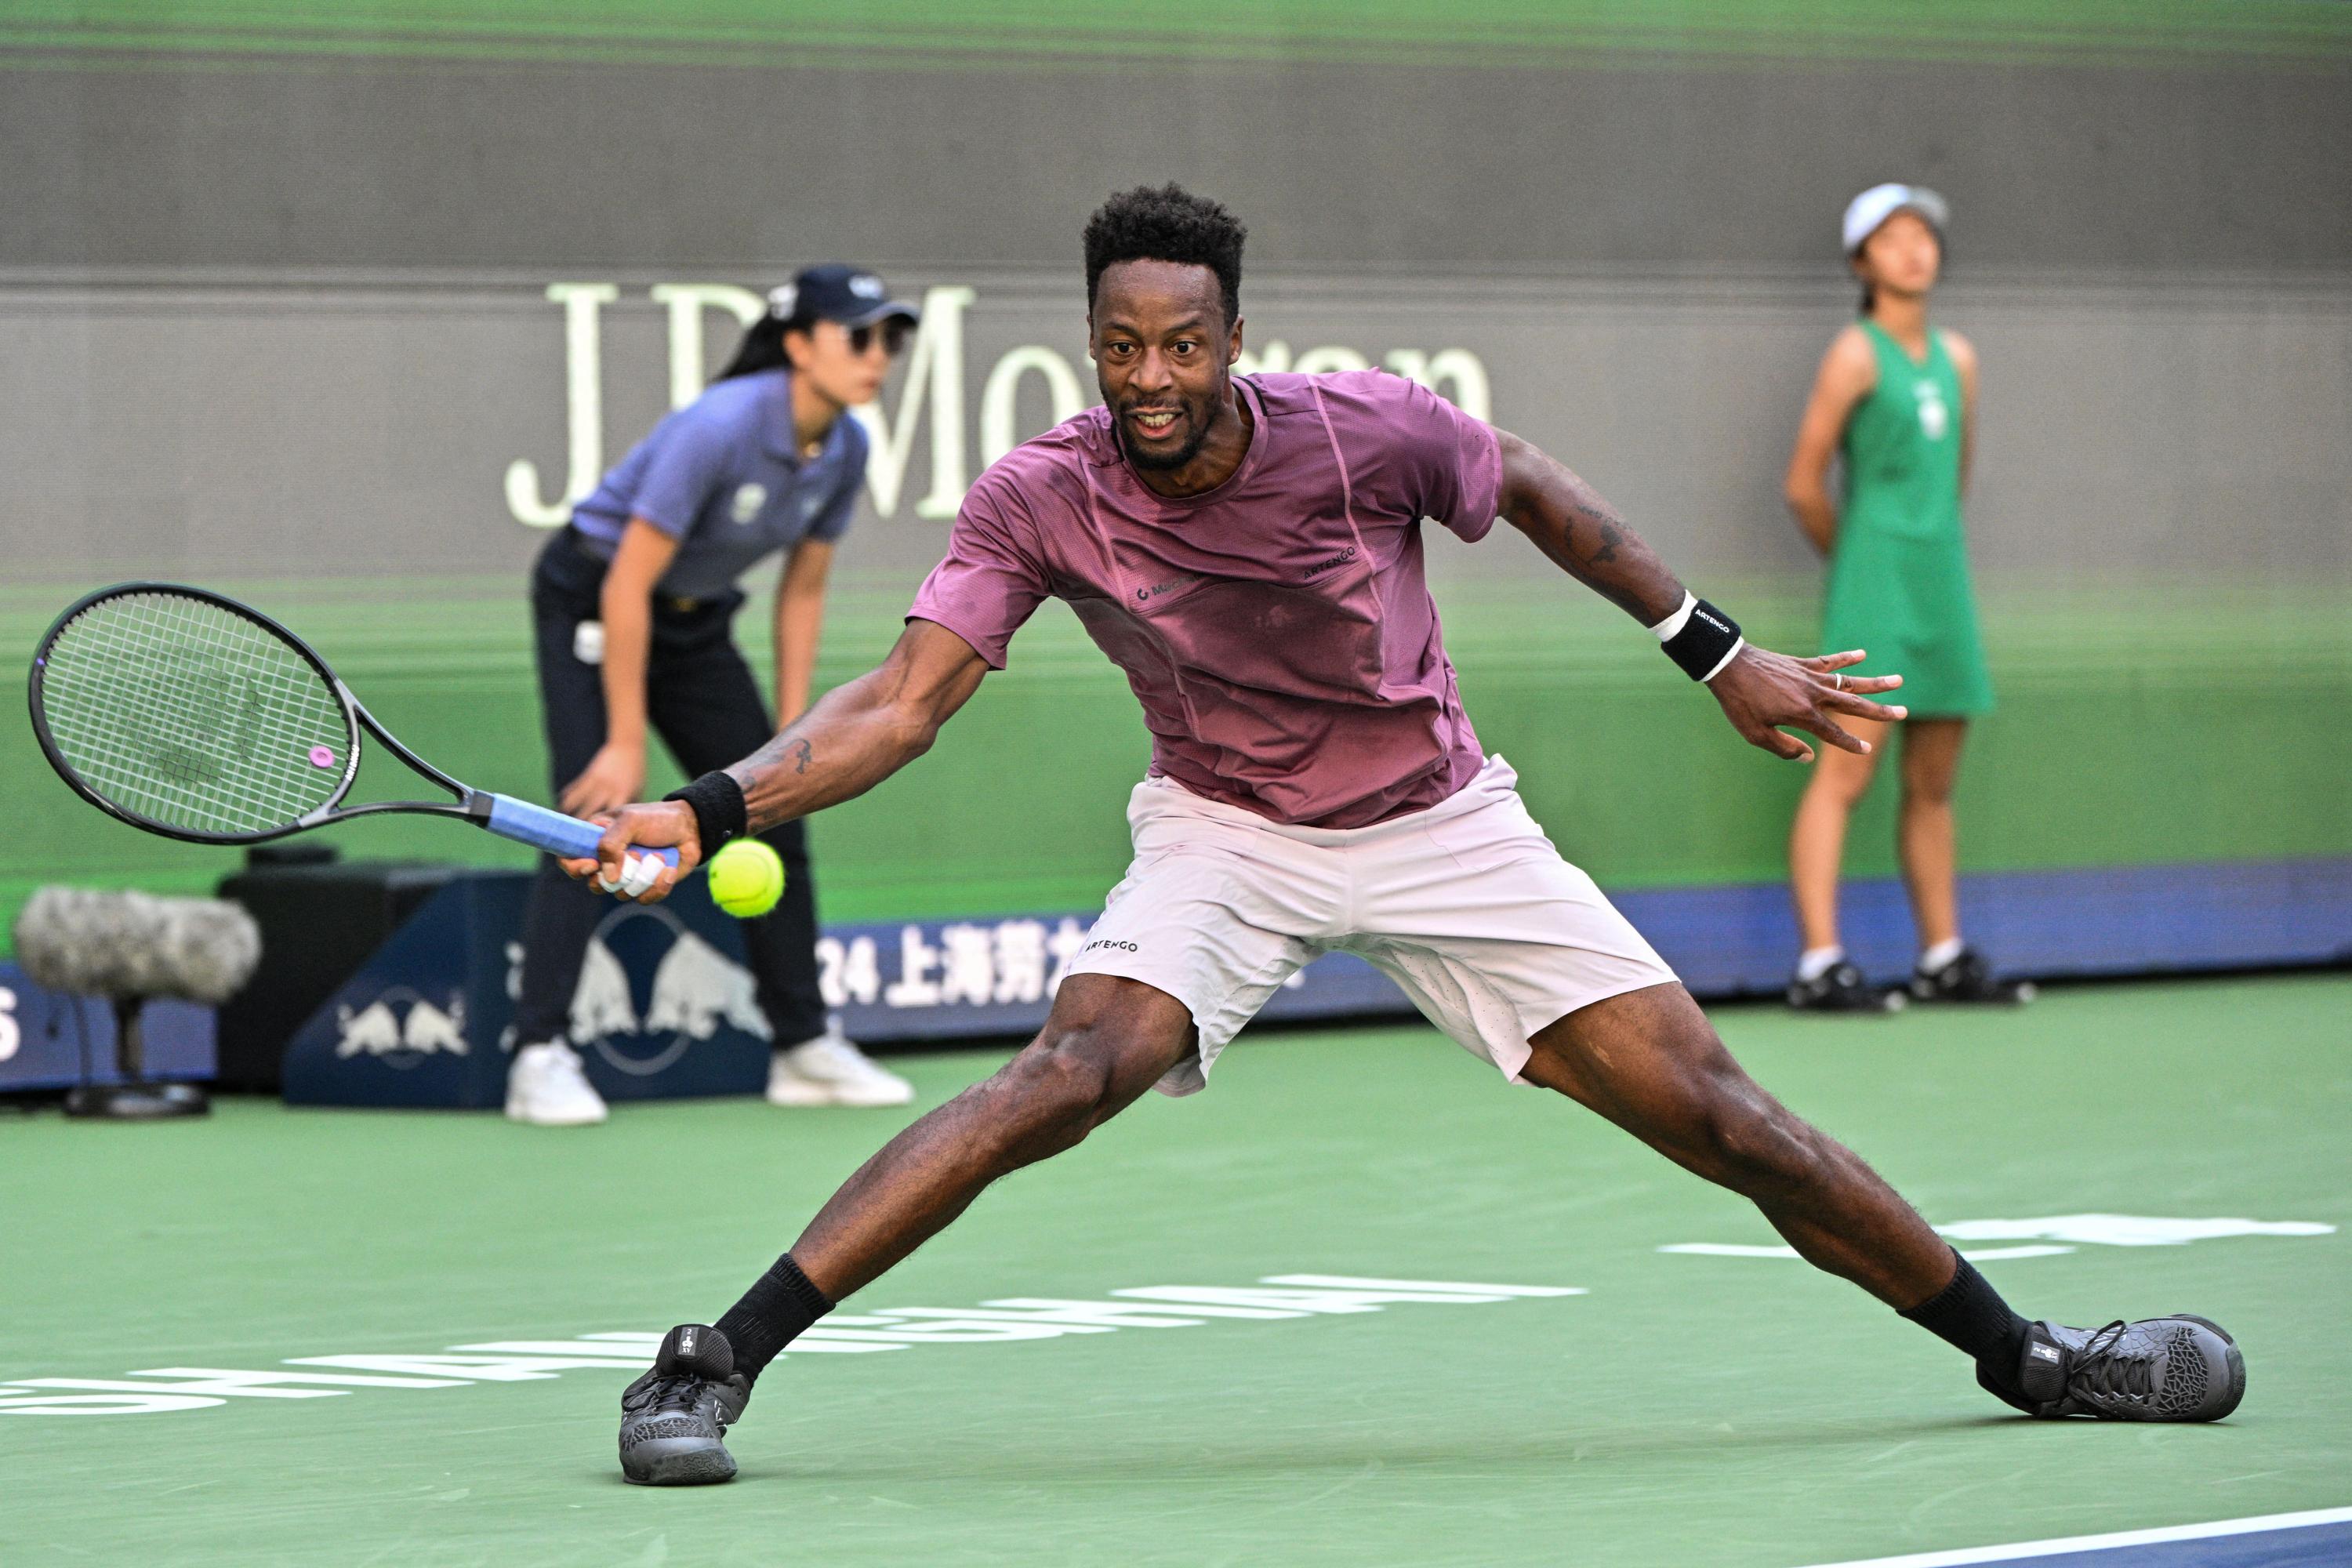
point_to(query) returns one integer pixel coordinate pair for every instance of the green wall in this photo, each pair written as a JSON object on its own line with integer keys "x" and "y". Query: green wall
{"x": 2158, "y": 723}
{"x": 1533, "y": 33}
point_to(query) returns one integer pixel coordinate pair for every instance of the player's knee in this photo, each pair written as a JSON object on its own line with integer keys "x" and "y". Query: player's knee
{"x": 1055, "y": 1092}
{"x": 1753, "y": 1145}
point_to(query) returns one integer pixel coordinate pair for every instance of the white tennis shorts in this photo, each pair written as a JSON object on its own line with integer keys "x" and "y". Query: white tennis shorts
{"x": 1467, "y": 906}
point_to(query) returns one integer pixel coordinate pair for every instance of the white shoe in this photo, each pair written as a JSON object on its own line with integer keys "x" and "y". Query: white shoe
{"x": 831, "y": 1070}
{"x": 546, "y": 1088}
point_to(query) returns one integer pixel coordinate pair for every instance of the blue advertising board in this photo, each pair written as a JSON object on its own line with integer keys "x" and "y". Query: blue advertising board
{"x": 666, "y": 1008}
{"x": 46, "y": 1035}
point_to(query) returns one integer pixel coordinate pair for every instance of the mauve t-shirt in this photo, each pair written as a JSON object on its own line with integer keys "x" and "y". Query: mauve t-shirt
{"x": 1278, "y": 629}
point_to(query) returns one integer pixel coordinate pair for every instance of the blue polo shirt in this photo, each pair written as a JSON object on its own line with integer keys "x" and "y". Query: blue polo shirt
{"x": 721, "y": 477}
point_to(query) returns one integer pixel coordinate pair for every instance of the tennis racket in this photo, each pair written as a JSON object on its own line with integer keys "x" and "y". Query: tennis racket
{"x": 186, "y": 713}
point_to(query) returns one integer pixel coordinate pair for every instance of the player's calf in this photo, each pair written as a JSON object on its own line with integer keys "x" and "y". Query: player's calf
{"x": 1108, "y": 1041}
{"x": 1823, "y": 1198}
{"x": 1648, "y": 1061}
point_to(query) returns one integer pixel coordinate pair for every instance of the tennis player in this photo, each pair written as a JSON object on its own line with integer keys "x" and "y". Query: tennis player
{"x": 1248, "y": 549}
{"x": 1897, "y": 399}
{"x": 633, "y": 601}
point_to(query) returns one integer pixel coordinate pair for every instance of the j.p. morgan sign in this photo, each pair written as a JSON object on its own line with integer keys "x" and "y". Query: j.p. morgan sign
{"x": 930, "y": 394}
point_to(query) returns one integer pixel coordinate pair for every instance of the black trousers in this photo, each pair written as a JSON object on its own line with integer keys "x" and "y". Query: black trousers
{"x": 703, "y": 702}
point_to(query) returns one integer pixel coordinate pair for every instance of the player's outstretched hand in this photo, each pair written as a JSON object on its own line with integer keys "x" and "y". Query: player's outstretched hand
{"x": 641, "y": 879}
{"x": 1760, "y": 690}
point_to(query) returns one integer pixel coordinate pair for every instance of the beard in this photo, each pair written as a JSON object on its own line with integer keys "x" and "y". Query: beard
{"x": 1202, "y": 416}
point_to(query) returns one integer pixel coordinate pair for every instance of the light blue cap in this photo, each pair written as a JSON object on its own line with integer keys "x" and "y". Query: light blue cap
{"x": 1866, "y": 212}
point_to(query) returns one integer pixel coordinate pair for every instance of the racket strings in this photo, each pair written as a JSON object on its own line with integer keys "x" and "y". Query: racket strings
{"x": 184, "y": 713}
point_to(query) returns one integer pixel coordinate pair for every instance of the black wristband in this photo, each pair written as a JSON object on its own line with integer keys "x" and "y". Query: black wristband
{"x": 1705, "y": 643}
{"x": 719, "y": 814}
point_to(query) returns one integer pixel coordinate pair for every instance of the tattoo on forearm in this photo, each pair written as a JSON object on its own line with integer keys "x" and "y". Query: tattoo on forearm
{"x": 800, "y": 753}
{"x": 1591, "y": 527}
{"x": 1581, "y": 534}
{"x": 1592, "y": 539}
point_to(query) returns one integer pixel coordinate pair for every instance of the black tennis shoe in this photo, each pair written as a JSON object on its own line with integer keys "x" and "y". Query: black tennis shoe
{"x": 674, "y": 1418}
{"x": 1840, "y": 988}
{"x": 1967, "y": 978}
{"x": 2160, "y": 1369}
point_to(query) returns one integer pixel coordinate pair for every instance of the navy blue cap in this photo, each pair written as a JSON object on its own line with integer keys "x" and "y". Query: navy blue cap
{"x": 836, "y": 291}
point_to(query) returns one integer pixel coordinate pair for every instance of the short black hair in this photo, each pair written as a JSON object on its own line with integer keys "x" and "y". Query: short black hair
{"x": 1167, "y": 223}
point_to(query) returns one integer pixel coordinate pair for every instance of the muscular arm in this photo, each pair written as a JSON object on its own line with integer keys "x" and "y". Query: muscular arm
{"x": 863, "y": 731}
{"x": 860, "y": 733}
{"x": 1582, "y": 533}
{"x": 1759, "y": 689}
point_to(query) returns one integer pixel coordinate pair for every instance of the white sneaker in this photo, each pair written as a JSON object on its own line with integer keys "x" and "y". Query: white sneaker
{"x": 546, "y": 1088}
{"x": 831, "y": 1070}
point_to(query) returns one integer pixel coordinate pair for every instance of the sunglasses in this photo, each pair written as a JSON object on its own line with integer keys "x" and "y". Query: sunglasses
{"x": 893, "y": 332}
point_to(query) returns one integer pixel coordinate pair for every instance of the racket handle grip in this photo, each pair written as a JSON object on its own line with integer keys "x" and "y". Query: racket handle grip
{"x": 567, "y": 837}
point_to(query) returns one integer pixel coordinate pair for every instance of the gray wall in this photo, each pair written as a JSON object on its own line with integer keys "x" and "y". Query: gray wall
{"x": 293, "y": 319}
{"x": 656, "y": 167}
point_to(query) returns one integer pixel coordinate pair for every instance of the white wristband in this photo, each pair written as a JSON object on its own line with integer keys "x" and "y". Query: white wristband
{"x": 1664, "y": 630}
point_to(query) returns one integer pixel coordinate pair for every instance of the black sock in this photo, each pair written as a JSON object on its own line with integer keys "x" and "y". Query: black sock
{"x": 773, "y": 1312}
{"x": 1969, "y": 1314}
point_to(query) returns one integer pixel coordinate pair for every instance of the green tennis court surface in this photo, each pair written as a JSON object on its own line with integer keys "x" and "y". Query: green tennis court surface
{"x": 1689, "y": 1407}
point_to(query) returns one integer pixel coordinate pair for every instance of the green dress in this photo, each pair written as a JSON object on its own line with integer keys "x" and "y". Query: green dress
{"x": 1899, "y": 569}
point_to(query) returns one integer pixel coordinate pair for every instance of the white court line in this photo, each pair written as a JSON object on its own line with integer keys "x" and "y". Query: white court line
{"x": 2020, "y": 1550}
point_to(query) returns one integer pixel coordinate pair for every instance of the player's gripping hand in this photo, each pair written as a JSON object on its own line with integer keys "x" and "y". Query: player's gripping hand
{"x": 641, "y": 878}
{"x": 1761, "y": 691}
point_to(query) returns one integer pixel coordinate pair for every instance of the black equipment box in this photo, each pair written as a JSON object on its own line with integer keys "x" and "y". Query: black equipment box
{"x": 320, "y": 919}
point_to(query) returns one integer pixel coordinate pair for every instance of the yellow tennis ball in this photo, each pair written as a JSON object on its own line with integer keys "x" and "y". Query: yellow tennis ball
{"x": 747, "y": 878}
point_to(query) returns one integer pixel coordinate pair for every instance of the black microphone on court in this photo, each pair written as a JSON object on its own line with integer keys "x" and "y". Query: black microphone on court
{"x": 130, "y": 949}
